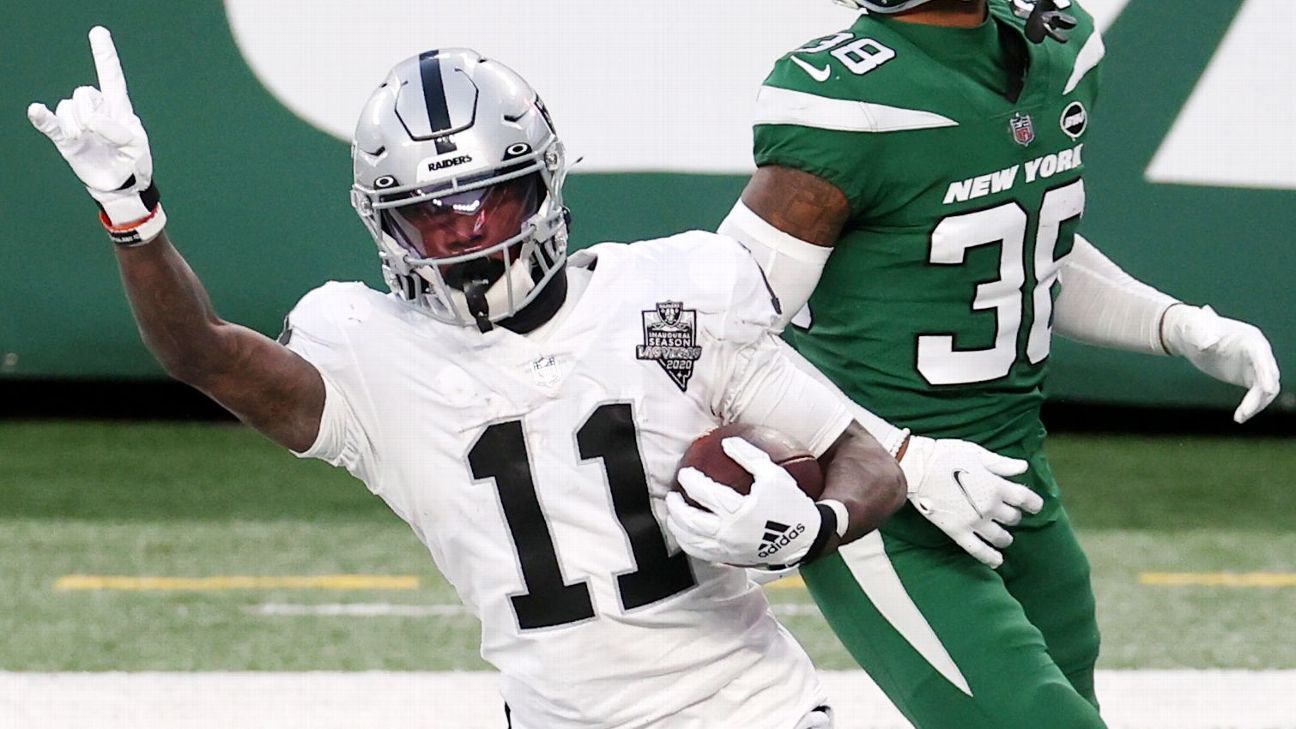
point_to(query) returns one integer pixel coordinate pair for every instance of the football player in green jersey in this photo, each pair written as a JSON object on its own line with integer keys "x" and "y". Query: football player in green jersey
{"x": 921, "y": 172}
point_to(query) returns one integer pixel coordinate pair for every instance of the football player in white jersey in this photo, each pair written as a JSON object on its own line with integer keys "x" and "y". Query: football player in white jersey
{"x": 524, "y": 413}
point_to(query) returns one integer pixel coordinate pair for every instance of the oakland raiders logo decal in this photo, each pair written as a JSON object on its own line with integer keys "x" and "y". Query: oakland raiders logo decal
{"x": 1075, "y": 119}
{"x": 1023, "y": 129}
{"x": 670, "y": 339}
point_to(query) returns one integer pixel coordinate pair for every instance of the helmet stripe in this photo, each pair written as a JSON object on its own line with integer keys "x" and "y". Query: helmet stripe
{"x": 434, "y": 97}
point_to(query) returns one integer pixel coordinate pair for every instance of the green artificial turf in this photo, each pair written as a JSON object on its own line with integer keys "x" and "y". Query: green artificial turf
{"x": 211, "y": 500}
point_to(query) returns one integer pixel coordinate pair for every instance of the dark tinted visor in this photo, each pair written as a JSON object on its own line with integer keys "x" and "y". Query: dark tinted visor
{"x": 464, "y": 222}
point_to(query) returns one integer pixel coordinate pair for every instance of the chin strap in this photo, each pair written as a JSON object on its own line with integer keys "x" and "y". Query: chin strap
{"x": 1046, "y": 21}
{"x": 475, "y": 293}
{"x": 475, "y": 278}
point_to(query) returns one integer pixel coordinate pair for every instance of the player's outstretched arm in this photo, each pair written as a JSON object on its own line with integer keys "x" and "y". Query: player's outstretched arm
{"x": 957, "y": 485}
{"x": 1101, "y": 304}
{"x": 964, "y": 490}
{"x": 266, "y": 385}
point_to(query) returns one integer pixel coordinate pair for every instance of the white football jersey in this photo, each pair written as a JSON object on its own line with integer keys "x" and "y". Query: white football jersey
{"x": 535, "y": 468}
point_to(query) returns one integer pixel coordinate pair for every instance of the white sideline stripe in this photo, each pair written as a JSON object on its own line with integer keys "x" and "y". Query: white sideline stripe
{"x": 468, "y": 700}
{"x": 405, "y": 610}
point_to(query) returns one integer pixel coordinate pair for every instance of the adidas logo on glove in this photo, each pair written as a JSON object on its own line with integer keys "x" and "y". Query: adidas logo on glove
{"x": 778, "y": 536}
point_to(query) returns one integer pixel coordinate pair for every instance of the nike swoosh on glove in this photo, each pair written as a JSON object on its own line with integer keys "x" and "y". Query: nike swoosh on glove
{"x": 962, "y": 488}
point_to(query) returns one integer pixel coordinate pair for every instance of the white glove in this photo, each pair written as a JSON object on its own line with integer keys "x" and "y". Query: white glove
{"x": 774, "y": 525}
{"x": 1226, "y": 349}
{"x": 103, "y": 141}
{"x": 959, "y": 487}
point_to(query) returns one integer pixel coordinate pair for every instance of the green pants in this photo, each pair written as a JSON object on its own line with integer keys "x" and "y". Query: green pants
{"x": 957, "y": 645}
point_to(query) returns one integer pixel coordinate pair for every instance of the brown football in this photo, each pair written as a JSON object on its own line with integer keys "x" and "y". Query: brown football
{"x": 706, "y": 455}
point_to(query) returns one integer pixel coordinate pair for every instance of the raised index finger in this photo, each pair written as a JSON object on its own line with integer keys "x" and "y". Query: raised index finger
{"x": 112, "y": 82}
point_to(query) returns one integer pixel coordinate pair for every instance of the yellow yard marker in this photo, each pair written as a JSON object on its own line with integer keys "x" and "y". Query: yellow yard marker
{"x": 1218, "y": 579}
{"x": 793, "y": 582}
{"x": 206, "y": 584}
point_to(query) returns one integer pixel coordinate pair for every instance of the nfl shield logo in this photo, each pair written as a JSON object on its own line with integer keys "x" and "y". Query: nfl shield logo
{"x": 1023, "y": 129}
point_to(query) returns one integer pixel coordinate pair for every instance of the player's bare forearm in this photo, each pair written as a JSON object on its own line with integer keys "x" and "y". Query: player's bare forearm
{"x": 798, "y": 203}
{"x": 175, "y": 317}
{"x": 860, "y": 473}
{"x": 265, "y": 384}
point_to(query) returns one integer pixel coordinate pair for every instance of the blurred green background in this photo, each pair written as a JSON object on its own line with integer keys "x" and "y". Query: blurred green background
{"x": 257, "y": 197}
{"x": 257, "y": 200}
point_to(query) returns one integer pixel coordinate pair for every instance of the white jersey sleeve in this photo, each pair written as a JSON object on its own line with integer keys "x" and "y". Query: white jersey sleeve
{"x": 765, "y": 383}
{"x": 311, "y": 330}
{"x": 792, "y": 266}
{"x": 1101, "y": 304}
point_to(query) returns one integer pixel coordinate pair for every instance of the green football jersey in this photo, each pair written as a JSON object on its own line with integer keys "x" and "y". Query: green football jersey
{"x": 934, "y": 309}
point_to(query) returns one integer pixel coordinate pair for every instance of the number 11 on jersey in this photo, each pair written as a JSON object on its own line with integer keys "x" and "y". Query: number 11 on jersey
{"x": 608, "y": 435}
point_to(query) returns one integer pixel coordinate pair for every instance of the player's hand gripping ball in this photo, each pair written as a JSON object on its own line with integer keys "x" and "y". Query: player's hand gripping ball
{"x": 745, "y": 496}
{"x": 708, "y": 456}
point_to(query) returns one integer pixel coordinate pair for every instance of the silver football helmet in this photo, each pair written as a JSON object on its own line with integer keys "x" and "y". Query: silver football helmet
{"x": 458, "y": 177}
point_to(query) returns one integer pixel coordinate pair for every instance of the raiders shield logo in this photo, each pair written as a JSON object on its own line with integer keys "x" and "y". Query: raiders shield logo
{"x": 670, "y": 336}
{"x": 1023, "y": 129}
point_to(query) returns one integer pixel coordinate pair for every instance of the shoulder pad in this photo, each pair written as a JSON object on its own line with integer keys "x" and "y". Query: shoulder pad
{"x": 323, "y": 311}
{"x": 836, "y": 64}
{"x": 704, "y": 266}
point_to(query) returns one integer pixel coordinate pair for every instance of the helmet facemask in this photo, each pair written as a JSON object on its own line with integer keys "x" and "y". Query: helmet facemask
{"x": 474, "y": 250}
{"x": 458, "y": 178}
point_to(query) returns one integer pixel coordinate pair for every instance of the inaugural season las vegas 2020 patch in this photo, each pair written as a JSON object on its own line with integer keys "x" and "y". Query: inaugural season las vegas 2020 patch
{"x": 670, "y": 338}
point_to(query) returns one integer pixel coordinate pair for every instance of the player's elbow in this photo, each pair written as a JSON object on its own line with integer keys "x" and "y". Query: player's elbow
{"x": 185, "y": 370}
{"x": 194, "y": 358}
{"x": 893, "y": 490}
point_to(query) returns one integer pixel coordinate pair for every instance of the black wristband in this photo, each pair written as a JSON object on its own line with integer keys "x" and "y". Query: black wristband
{"x": 151, "y": 196}
{"x": 827, "y": 530}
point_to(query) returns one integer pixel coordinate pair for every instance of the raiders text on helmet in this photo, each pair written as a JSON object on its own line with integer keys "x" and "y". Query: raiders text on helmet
{"x": 458, "y": 178}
